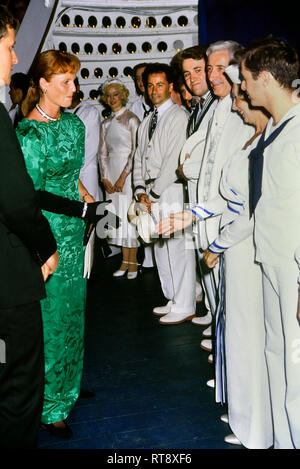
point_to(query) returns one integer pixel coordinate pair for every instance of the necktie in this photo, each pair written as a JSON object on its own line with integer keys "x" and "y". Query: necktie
{"x": 153, "y": 123}
{"x": 146, "y": 111}
{"x": 256, "y": 163}
{"x": 196, "y": 113}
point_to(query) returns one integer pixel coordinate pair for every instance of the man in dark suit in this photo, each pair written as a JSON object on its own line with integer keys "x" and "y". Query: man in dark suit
{"x": 27, "y": 256}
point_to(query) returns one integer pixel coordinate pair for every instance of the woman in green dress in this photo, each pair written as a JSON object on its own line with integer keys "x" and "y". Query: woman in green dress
{"x": 53, "y": 146}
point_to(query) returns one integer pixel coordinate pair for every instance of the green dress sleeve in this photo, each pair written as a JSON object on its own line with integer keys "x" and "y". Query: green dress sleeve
{"x": 33, "y": 146}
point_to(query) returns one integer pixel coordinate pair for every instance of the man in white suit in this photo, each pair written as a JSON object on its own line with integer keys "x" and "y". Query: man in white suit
{"x": 193, "y": 68}
{"x": 160, "y": 138}
{"x": 270, "y": 72}
{"x": 226, "y": 133}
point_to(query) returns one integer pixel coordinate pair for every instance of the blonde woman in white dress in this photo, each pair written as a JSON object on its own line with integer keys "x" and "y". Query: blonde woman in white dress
{"x": 116, "y": 152}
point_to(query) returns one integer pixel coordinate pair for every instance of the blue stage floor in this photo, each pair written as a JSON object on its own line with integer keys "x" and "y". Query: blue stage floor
{"x": 149, "y": 379}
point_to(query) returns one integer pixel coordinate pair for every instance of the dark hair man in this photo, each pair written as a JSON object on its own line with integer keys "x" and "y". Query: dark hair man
{"x": 160, "y": 138}
{"x": 27, "y": 256}
{"x": 269, "y": 75}
{"x": 193, "y": 69}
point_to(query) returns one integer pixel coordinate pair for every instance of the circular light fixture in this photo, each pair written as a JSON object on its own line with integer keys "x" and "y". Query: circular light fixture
{"x": 88, "y": 48}
{"x": 128, "y": 72}
{"x": 116, "y": 48}
{"x": 136, "y": 22}
{"x": 102, "y": 49}
{"x": 78, "y": 21}
{"x": 92, "y": 22}
{"x": 178, "y": 45}
{"x": 84, "y": 73}
{"x": 94, "y": 94}
{"x": 131, "y": 47}
{"x": 151, "y": 22}
{"x": 162, "y": 46}
{"x": 113, "y": 72}
{"x": 98, "y": 72}
{"x": 75, "y": 48}
{"x": 65, "y": 21}
{"x": 62, "y": 47}
{"x": 106, "y": 22}
{"x": 146, "y": 47}
{"x": 182, "y": 21}
{"x": 166, "y": 21}
{"x": 120, "y": 22}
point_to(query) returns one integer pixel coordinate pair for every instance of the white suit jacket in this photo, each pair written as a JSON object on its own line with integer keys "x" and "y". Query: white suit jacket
{"x": 194, "y": 146}
{"x": 158, "y": 158}
{"x": 226, "y": 135}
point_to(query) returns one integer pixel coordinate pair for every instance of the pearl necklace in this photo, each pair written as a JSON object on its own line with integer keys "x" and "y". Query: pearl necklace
{"x": 52, "y": 119}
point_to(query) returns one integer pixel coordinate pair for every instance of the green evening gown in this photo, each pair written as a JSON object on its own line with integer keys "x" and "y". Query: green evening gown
{"x": 54, "y": 155}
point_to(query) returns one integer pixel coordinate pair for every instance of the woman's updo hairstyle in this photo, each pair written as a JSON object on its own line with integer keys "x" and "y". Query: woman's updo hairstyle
{"x": 118, "y": 85}
{"x": 46, "y": 65}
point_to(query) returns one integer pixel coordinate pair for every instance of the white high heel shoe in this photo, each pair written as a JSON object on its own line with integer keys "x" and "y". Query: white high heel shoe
{"x": 132, "y": 275}
{"x": 119, "y": 272}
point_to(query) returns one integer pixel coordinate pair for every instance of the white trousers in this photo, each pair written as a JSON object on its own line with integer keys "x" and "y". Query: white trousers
{"x": 283, "y": 351}
{"x": 176, "y": 267}
{"x": 249, "y": 408}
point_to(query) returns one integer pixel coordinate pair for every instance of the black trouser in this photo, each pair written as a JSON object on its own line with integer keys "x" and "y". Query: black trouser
{"x": 21, "y": 375}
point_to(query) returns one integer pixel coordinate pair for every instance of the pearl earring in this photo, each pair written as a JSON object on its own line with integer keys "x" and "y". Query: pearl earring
{"x": 44, "y": 90}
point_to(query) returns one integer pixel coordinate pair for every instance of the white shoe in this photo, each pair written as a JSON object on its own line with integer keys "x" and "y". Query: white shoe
{"x": 206, "y": 344}
{"x": 203, "y": 320}
{"x": 161, "y": 310}
{"x": 211, "y": 383}
{"x": 176, "y": 318}
{"x": 210, "y": 358}
{"x": 132, "y": 275}
{"x": 119, "y": 273}
{"x": 224, "y": 418}
{"x": 232, "y": 439}
{"x": 207, "y": 332}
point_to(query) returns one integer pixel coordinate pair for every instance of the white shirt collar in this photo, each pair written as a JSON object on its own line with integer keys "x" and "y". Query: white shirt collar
{"x": 164, "y": 107}
{"x": 119, "y": 112}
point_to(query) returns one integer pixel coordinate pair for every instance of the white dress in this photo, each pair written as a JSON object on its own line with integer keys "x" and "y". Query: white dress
{"x": 90, "y": 116}
{"x": 248, "y": 395}
{"x": 116, "y": 151}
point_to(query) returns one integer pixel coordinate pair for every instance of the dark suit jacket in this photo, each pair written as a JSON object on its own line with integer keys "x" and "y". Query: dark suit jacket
{"x": 26, "y": 240}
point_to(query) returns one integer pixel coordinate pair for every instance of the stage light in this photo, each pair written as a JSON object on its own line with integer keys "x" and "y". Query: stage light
{"x": 65, "y": 21}
{"x": 182, "y": 21}
{"x": 75, "y": 48}
{"x": 79, "y": 21}
{"x": 84, "y": 73}
{"x": 136, "y": 22}
{"x": 113, "y": 72}
{"x": 166, "y": 21}
{"x": 106, "y": 22}
{"x": 128, "y": 72}
{"x": 98, "y": 72}
{"x": 131, "y": 47}
{"x": 92, "y": 22}
{"x": 102, "y": 49}
{"x": 88, "y": 48}
{"x": 162, "y": 46}
{"x": 120, "y": 22}
{"x": 62, "y": 47}
{"x": 151, "y": 22}
{"x": 116, "y": 48}
{"x": 146, "y": 47}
